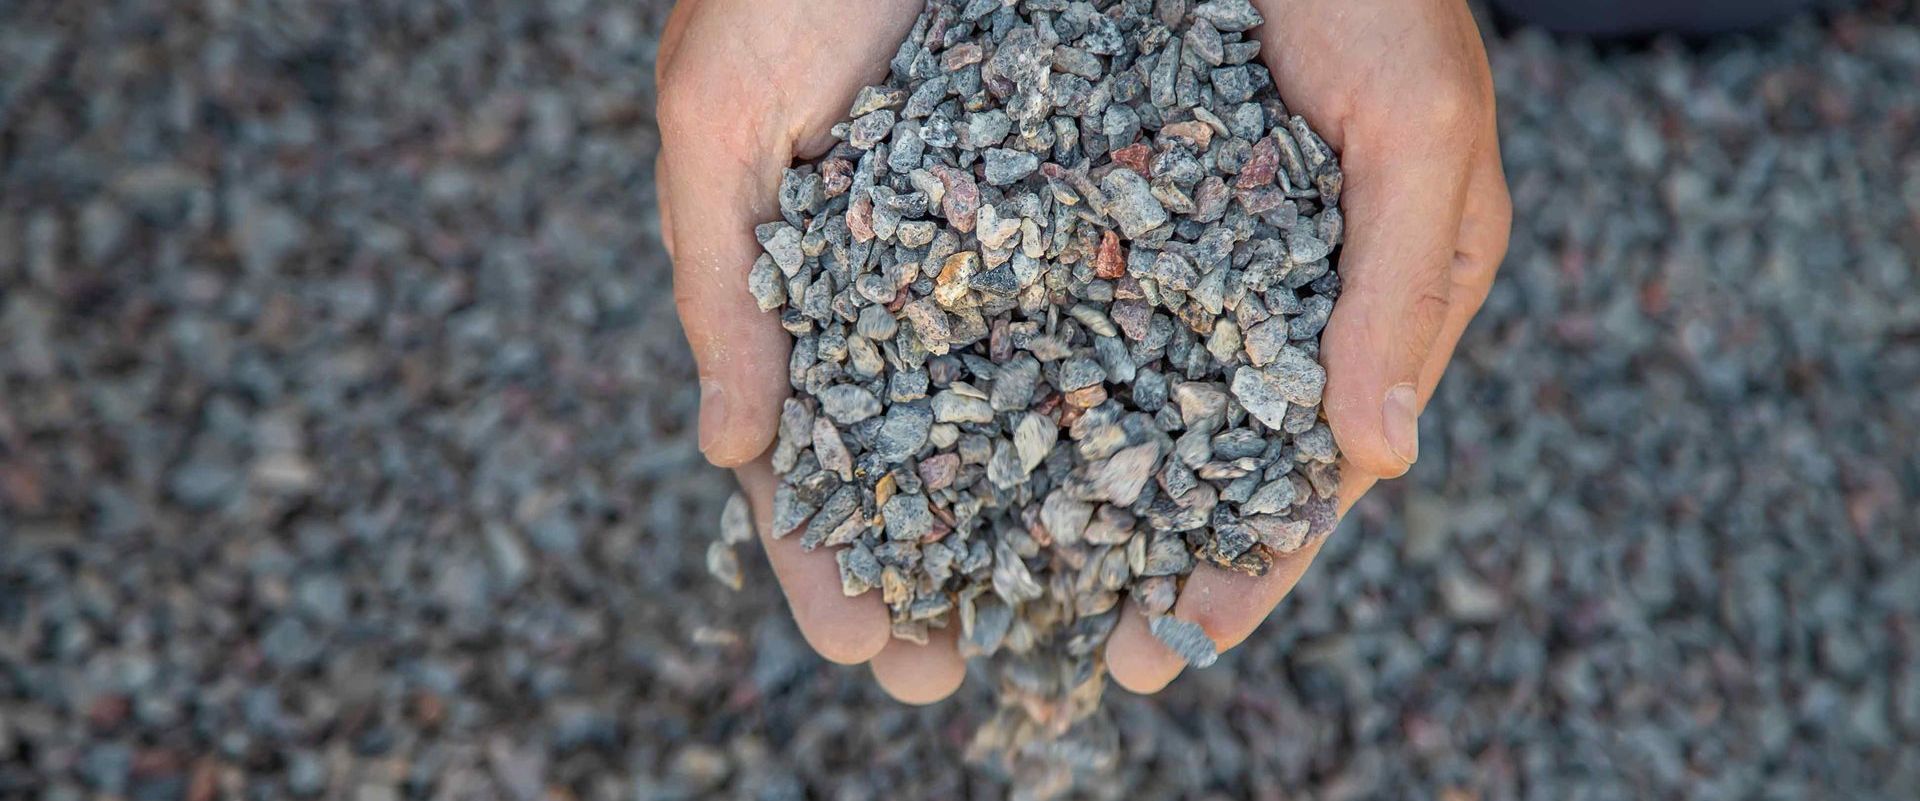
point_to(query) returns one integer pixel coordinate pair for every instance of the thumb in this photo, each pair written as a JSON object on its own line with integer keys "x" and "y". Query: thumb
{"x": 712, "y": 198}
{"x": 1403, "y": 206}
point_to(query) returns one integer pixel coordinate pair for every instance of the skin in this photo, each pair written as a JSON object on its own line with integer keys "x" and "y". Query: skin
{"x": 1400, "y": 88}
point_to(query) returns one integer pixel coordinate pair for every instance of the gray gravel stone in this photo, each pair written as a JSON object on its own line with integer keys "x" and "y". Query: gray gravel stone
{"x": 1005, "y": 166}
{"x": 848, "y": 404}
{"x": 1262, "y": 394}
{"x": 1131, "y": 203}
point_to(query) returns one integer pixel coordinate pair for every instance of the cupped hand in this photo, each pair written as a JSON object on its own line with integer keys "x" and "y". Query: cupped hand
{"x": 745, "y": 87}
{"x": 1401, "y": 90}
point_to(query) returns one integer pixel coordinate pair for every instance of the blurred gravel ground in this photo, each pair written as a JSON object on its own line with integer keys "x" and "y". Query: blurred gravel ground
{"x": 345, "y": 444}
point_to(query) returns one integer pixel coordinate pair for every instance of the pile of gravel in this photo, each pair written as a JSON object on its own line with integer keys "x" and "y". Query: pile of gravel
{"x": 1056, "y": 297}
{"x": 346, "y": 448}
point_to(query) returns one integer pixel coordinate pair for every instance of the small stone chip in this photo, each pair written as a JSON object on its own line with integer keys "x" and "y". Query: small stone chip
{"x": 907, "y": 517}
{"x": 1065, "y": 518}
{"x": 1013, "y": 384}
{"x": 903, "y": 431}
{"x": 831, "y": 450}
{"x": 736, "y": 520}
{"x": 1079, "y": 373}
{"x": 991, "y": 620}
{"x": 832, "y": 513}
{"x": 859, "y": 571}
{"x": 1131, "y": 203}
{"x": 1262, "y": 395}
{"x": 1271, "y": 498}
{"x": 953, "y": 407}
{"x": 789, "y": 510}
{"x": 1007, "y": 166}
{"x": 1232, "y": 16}
{"x": 723, "y": 564}
{"x": 930, "y": 323}
{"x": 1156, "y": 594}
{"x": 1265, "y": 339}
{"x": 1033, "y": 439}
{"x": 939, "y": 471}
{"x": 1299, "y": 378}
{"x": 765, "y": 284}
{"x": 1199, "y": 401}
{"x": 848, "y": 404}
{"x": 782, "y": 244}
{"x": 870, "y": 129}
{"x": 1121, "y": 478}
{"x": 1185, "y": 638}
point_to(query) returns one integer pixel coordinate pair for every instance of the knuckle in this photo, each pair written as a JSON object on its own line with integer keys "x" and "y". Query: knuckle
{"x": 705, "y": 115}
{"x": 678, "y": 100}
{"x": 1425, "y": 311}
{"x": 687, "y": 299}
{"x": 1473, "y": 279}
{"x": 1478, "y": 263}
{"x": 1450, "y": 106}
{"x": 1500, "y": 224}
{"x": 1428, "y": 307}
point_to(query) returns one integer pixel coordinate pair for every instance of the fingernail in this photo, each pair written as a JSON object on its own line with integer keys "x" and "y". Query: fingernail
{"x": 713, "y": 414}
{"x": 1403, "y": 422}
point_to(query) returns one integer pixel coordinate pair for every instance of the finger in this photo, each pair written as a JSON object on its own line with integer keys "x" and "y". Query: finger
{"x": 1404, "y": 130}
{"x": 921, "y": 674}
{"x": 1136, "y": 660}
{"x": 670, "y": 37}
{"x": 1403, "y": 212}
{"x": 719, "y": 183}
{"x": 1140, "y": 663}
{"x": 1484, "y": 229}
{"x": 844, "y": 630}
{"x": 665, "y": 208}
{"x": 1228, "y": 604}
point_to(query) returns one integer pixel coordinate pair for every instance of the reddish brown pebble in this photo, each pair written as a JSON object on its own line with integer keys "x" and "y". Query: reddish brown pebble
{"x": 1087, "y": 397}
{"x": 1132, "y": 316}
{"x": 836, "y": 176}
{"x": 107, "y": 711}
{"x": 1260, "y": 167}
{"x": 860, "y": 219}
{"x": 1109, "y": 262}
{"x": 939, "y": 470}
{"x": 962, "y": 200}
{"x": 1198, "y": 320}
{"x": 1195, "y": 131}
{"x": 1261, "y": 199}
{"x": 1135, "y": 157}
{"x": 1210, "y": 199}
{"x": 203, "y": 784}
{"x": 961, "y": 55}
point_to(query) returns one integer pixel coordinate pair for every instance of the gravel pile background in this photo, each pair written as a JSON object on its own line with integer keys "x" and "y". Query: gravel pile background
{"x": 346, "y": 448}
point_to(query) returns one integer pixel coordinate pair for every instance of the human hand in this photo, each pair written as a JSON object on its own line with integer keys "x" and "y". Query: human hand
{"x": 746, "y": 87}
{"x": 1401, "y": 90}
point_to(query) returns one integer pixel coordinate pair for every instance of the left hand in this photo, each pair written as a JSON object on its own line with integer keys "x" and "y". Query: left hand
{"x": 1402, "y": 91}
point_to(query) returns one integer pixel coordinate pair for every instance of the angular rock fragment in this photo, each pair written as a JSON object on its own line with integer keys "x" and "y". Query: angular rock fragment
{"x": 1185, "y": 638}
